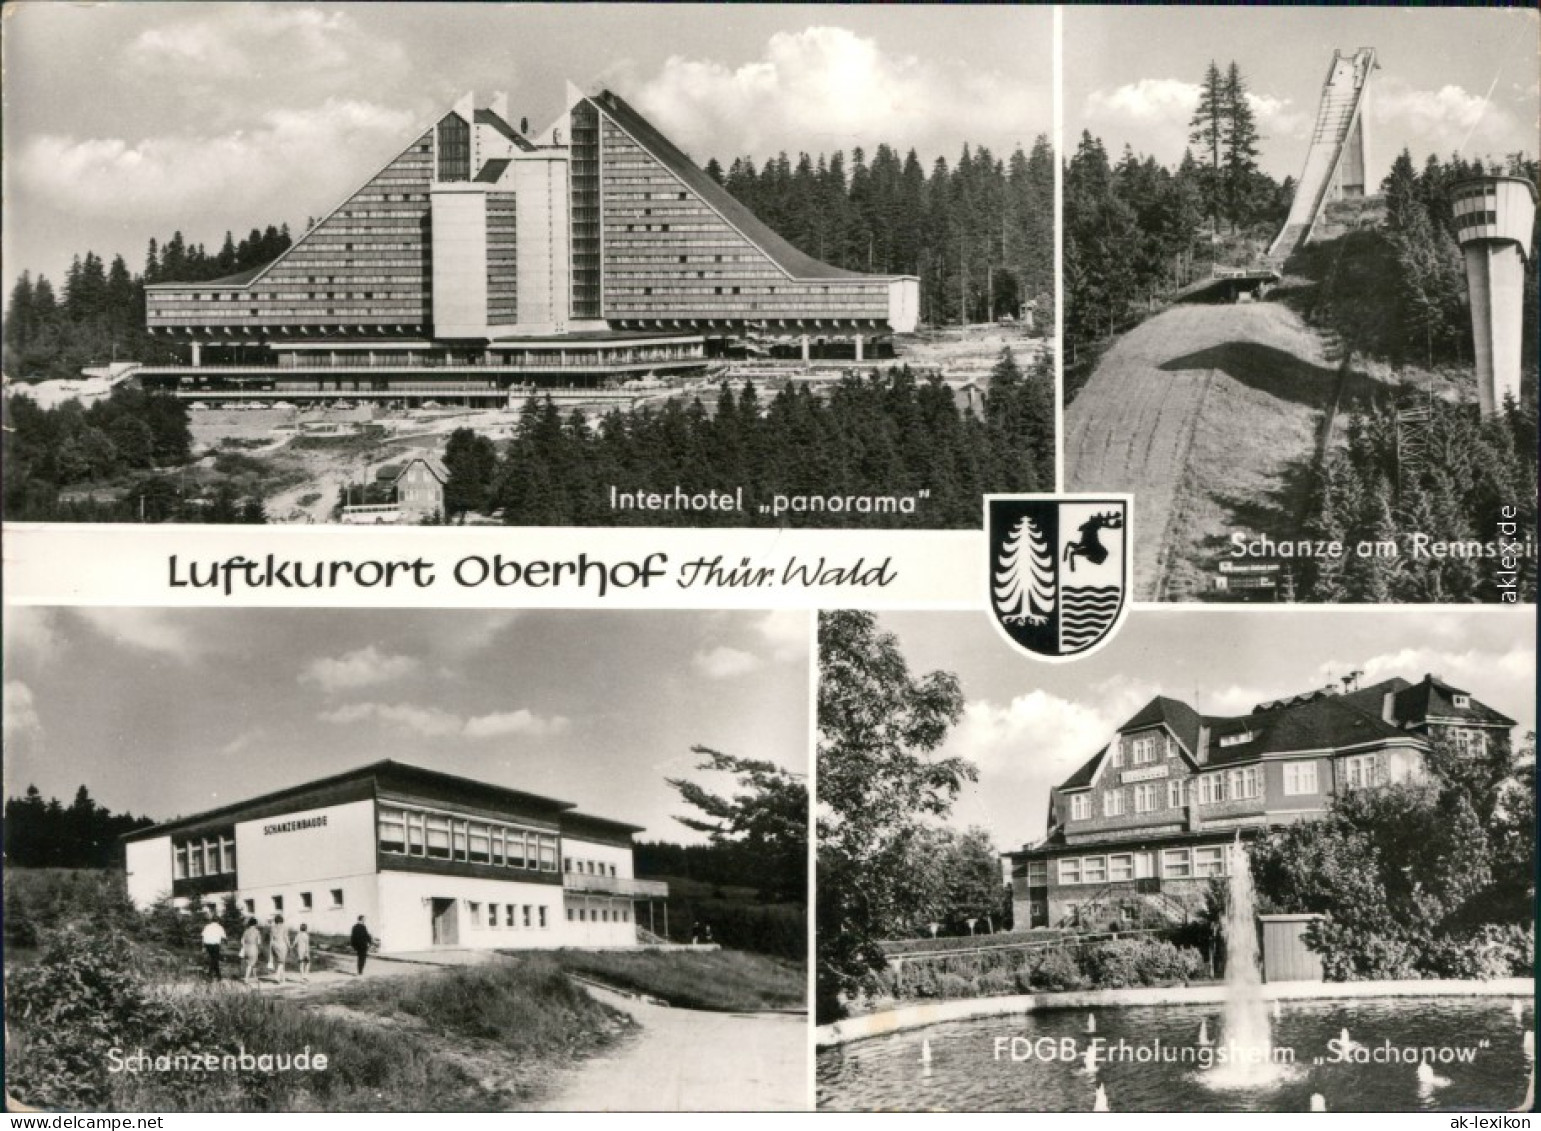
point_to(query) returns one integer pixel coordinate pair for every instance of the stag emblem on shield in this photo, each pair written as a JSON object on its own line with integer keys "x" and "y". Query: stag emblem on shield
{"x": 1090, "y": 546}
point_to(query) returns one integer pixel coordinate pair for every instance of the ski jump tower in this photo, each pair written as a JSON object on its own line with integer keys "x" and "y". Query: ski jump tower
{"x": 1340, "y": 149}
{"x": 1494, "y": 220}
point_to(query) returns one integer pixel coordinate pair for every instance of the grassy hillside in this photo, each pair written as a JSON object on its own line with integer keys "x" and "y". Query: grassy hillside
{"x": 1210, "y": 415}
{"x": 718, "y": 980}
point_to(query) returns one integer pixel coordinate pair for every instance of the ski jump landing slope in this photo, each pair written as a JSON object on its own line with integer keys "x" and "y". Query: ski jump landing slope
{"x": 1339, "y": 153}
{"x": 1198, "y": 412}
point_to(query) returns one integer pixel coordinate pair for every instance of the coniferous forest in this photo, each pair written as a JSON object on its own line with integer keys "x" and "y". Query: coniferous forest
{"x": 870, "y": 437}
{"x": 978, "y": 233}
{"x": 49, "y": 834}
{"x": 100, "y": 315}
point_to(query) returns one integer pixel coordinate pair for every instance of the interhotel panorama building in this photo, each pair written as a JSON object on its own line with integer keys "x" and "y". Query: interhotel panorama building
{"x": 480, "y": 260}
{"x": 430, "y": 860}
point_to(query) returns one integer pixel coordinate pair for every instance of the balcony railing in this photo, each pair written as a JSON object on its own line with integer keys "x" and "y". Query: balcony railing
{"x": 615, "y": 885}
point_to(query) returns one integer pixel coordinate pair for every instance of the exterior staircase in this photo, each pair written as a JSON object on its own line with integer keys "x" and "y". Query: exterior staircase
{"x": 1140, "y": 906}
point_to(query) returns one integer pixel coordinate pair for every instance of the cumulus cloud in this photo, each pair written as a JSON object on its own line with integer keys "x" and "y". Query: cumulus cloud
{"x": 433, "y": 722}
{"x": 1155, "y": 114}
{"x": 21, "y": 718}
{"x": 1041, "y": 737}
{"x": 150, "y": 630}
{"x": 279, "y": 46}
{"x": 502, "y": 723}
{"x": 287, "y": 155}
{"x": 363, "y": 667}
{"x": 786, "y": 633}
{"x": 1446, "y": 120}
{"x": 31, "y": 635}
{"x": 723, "y": 662}
{"x": 830, "y": 88}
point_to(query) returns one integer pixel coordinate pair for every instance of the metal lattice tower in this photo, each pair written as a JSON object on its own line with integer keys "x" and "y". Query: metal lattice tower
{"x": 1415, "y": 415}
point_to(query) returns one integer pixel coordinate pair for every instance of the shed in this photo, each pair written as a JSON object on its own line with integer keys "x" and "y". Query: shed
{"x": 1286, "y": 958}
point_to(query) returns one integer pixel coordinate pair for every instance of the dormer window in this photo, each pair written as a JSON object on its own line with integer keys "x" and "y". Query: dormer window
{"x": 1236, "y": 739}
{"x": 1461, "y": 700}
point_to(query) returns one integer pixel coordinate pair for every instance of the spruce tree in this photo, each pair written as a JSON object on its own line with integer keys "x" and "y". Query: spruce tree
{"x": 1208, "y": 127}
{"x": 1241, "y": 138}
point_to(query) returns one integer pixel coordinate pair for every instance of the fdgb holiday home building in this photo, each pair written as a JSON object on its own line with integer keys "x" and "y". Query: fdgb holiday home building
{"x": 1142, "y": 827}
{"x": 430, "y": 859}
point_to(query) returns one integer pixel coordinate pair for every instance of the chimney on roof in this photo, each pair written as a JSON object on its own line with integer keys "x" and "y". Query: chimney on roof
{"x": 1201, "y": 755}
{"x": 1388, "y": 708}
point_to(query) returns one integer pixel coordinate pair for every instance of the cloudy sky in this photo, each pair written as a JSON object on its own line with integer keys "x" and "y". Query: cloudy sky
{"x": 126, "y": 121}
{"x": 1132, "y": 75}
{"x": 166, "y": 712}
{"x": 1027, "y": 724}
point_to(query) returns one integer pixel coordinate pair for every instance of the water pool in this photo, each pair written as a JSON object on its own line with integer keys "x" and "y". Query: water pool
{"x": 1149, "y": 1060}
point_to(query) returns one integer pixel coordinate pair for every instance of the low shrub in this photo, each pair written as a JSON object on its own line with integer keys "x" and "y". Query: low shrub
{"x": 1055, "y": 970}
{"x": 82, "y": 999}
{"x": 950, "y": 986}
{"x": 1138, "y": 962}
{"x": 996, "y": 983}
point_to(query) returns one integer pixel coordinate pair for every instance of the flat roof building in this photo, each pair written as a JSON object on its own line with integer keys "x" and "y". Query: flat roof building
{"x": 430, "y": 859}
{"x": 1138, "y": 831}
{"x": 479, "y": 259}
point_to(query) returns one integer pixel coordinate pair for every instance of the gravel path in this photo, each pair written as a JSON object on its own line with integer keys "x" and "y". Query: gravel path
{"x": 693, "y": 1060}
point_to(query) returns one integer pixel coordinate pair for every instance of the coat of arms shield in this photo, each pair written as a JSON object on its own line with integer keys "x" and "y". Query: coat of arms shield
{"x": 1059, "y": 570}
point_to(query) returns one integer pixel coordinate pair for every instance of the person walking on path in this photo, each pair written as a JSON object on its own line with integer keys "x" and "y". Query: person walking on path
{"x": 279, "y": 948}
{"x": 213, "y": 939}
{"x": 302, "y": 952}
{"x": 251, "y": 951}
{"x": 362, "y": 940}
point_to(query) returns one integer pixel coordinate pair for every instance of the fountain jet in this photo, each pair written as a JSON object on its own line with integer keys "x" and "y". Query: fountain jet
{"x": 1204, "y": 1032}
{"x": 1091, "y": 1022}
{"x": 1246, "y": 1015}
{"x": 1427, "y": 1080}
{"x": 925, "y": 1051}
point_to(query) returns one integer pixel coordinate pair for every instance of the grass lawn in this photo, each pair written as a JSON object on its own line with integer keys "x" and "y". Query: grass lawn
{"x": 724, "y": 980}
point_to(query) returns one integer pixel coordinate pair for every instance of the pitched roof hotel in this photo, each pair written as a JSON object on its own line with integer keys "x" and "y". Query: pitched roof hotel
{"x": 1137, "y": 832}
{"x": 479, "y": 259}
{"x": 430, "y": 859}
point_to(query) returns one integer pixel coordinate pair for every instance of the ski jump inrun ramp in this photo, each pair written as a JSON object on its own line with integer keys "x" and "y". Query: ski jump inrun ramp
{"x": 1340, "y": 149}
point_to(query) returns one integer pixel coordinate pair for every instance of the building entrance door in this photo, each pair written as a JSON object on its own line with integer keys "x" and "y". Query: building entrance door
{"x": 446, "y": 925}
{"x": 1144, "y": 865}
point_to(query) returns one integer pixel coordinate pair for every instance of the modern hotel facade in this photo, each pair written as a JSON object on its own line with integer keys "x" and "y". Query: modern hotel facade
{"x": 430, "y": 859}
{"x": 480, "y": 260}
{"x": 1139, "y": 830}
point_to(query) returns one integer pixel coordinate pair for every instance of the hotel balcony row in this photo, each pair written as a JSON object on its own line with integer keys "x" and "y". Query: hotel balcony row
{"x": 614, "y": 885}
